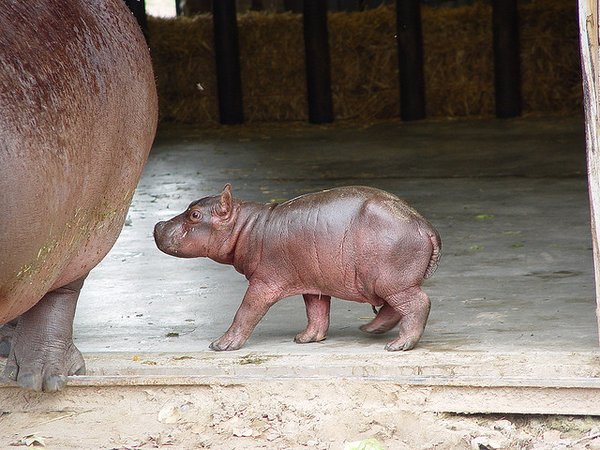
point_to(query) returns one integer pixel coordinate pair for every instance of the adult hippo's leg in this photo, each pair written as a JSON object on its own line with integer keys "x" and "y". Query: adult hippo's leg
{"x": 42, "y": 354}
{"x": 6, "y": 334}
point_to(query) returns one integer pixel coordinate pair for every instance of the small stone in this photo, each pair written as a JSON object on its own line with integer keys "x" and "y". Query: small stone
{"x": 272, "y": 436}
{"x": 594, "y": 444}
{"x": 485, "y": 442}
{"x": 503, "y": 425}
{"x": 169, "y": 414}
{"x": 242, "y": 432}
{"x": 551, "y": 436}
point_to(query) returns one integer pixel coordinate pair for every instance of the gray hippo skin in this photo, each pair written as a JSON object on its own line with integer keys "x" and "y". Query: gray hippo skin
{"x": 354, "y": 243}
{"x": 78, "y": 112}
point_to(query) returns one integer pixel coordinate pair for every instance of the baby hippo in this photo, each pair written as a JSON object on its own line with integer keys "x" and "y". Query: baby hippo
{"x": 354, "y": 243}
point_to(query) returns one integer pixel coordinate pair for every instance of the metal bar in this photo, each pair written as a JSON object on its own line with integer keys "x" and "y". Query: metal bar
{"x": 410, "y": 59}
{"x": 138, "y": 8}
{"x": 507, "y": 68}
{"x": 227, "y": 56}
{"x": 318, "y": 70}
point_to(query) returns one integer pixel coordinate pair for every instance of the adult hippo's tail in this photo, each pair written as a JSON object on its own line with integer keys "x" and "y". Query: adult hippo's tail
{"x": 436, "y": 253}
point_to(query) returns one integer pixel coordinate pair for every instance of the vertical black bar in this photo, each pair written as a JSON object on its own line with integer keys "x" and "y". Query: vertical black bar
{"x": 507, "y": 69}
{"x": 318, "y": 67}
{"x": 178, "y": 11}
{"x": 227, "y": 55}
{"x": 138, "y": 8}
{"x": 292, "y": 5}
{"x": 410, "y": 59}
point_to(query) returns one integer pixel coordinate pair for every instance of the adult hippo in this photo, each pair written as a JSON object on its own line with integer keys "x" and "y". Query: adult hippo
{"x": 78, "y": 113}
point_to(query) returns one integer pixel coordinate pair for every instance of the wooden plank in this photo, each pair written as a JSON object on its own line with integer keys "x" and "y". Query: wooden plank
{"x": 538, "y": 382}
{"x": 412, "y": 394}
{"x": 588, "y": 31}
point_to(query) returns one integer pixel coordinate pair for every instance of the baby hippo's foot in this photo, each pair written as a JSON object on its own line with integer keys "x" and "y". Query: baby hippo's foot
{"x": 386, "y": 319}
{"x": 317, "y": 312}
{"x": 412, "y": 306}
{"x": 310, "y": 335}
{"x": 42, "y": 353}
{"x": 401, "y": 344}
{"x": 6, "y": 333}
{"x": 227, "y": 342}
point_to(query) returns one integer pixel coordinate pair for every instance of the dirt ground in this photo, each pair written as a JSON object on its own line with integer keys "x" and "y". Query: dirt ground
{"x": 270, "y": 416}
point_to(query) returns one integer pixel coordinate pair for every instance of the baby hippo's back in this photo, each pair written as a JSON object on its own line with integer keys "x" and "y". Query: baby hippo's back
{"x": 348, "y": 242}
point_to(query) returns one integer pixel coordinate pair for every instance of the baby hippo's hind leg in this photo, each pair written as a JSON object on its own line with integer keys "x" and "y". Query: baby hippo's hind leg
{"x": 413, "y": 306}
{"x": 386, "y": 319}
{"x": 317, "y": 312}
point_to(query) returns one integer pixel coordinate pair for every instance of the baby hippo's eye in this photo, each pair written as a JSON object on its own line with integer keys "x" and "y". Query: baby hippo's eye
{"x": 195, "y": 215}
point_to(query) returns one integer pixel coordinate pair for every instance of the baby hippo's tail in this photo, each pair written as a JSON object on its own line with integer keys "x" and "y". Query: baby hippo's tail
{"x": 436, "y": 254}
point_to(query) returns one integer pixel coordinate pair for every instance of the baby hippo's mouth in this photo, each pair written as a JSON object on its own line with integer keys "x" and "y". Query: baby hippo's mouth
{"x": 163, "y": 236}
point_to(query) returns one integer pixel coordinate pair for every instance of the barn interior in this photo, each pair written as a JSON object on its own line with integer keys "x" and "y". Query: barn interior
{"x": 512, "y": 327}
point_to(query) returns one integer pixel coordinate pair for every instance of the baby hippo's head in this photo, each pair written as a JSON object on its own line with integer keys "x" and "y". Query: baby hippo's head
{"x": 203, "y": 225}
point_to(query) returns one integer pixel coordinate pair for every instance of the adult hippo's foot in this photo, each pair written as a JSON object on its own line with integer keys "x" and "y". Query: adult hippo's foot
{"x": 6, "y": 333}
{"x": 42, "y": 354}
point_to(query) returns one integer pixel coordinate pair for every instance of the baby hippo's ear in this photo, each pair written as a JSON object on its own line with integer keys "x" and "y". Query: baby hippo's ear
{"x": 224, "y": 207}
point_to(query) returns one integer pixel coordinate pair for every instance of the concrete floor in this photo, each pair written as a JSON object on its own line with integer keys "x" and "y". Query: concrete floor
{"x": 509, "y": 199}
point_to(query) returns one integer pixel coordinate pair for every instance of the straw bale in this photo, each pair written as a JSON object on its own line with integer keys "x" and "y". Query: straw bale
{"x": 272, "y": 65}
{"x": 184, "y": 67}
{"x": 458, "y": 63}
{"x": 458, "y": 60}
{"x": 364, "y": 64}
{"x": 550, "y": 59}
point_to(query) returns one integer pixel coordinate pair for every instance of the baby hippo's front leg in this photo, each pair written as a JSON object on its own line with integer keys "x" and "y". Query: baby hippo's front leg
{"x": 258, "y": 299}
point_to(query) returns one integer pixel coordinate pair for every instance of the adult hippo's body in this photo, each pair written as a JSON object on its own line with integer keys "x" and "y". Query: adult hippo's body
{"x": 78, "y": 114}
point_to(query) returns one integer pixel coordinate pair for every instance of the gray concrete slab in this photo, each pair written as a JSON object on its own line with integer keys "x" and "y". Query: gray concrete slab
{"x": 508, "y": 197}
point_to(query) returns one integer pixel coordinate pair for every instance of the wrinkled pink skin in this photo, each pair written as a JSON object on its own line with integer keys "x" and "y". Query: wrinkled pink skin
{"x": 353, "y": 243}
{"x": 78, "y": 112}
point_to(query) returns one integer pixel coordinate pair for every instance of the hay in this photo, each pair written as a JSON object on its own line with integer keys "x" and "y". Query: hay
{"x": 457, "y": 53}
{"x": 364, "y": 64}
{"x": 272, "y": 62}
{"x": 458, "y": 60}
{"x": 550, "y": 59}
{"x": 184, "y": 66}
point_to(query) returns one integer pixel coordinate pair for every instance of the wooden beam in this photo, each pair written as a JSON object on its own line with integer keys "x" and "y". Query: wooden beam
{"x": 507, "y": 68}
{"x": 227, "y": 56}
{"x": 410, "y": 59}
{"x": 318, "y": 70}
{"x": 590, "y": 57}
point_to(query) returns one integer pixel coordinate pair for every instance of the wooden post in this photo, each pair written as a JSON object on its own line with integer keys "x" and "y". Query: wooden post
{"x": 507, "y": 68}
{"x": 138, "y": 8}
{"x": 410, "y": 59}
{"x": 318, "y": 70}
{"x": 227, "y": 56}
{"x": 590, "y": 62}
